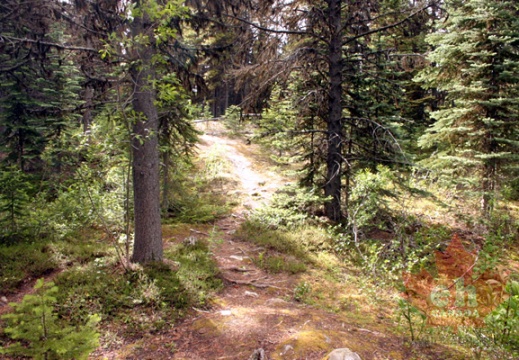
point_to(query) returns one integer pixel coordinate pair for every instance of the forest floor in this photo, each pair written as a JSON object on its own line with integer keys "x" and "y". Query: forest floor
{"x": 257, "y": 309}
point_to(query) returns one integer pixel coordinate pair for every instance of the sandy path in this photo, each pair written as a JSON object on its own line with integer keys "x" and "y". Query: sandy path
{"x": 256, "y": 185}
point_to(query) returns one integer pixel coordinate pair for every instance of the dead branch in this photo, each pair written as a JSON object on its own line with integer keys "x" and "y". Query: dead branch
{"x": 237, "y": 269}
{"x": 253, "y": 283}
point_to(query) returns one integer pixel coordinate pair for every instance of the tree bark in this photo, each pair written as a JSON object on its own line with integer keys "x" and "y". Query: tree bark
{"x": 146, "y": 182}
{"x": 332, "y": 187}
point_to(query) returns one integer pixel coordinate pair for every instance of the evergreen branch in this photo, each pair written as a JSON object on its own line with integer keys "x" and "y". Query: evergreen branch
{"x": 410, "y": 54}
{"x": 13, "y": 39}
{"x": 14, "y": 67}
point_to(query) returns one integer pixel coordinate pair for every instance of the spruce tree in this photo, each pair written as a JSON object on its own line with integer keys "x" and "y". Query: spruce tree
{"x": 43, "y": 335}
{"x": 475, "y": 61}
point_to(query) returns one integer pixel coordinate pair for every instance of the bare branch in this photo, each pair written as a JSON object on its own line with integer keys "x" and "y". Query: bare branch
{"x": 277, "y": 31}
{"x": 390, "y": 26}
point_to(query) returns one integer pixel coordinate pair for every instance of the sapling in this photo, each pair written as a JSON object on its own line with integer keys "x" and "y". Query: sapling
{"x": 43, "y": 335}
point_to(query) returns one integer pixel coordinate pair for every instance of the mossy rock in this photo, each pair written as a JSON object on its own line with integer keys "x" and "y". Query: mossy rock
{"x": 303, "y": 343}
{"x": 207, "y": 328}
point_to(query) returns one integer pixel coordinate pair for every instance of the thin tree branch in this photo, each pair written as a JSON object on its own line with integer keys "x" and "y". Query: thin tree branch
{"x": 13, "y": 39}
{"x": 390, "y": 26}
{"x": 277, "y": 31}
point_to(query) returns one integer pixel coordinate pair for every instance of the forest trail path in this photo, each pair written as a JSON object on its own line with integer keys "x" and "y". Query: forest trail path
{"x": 255, "y": 181}
{"x": 256, "y": 309}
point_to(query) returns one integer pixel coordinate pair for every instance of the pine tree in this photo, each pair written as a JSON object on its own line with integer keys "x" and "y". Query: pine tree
{"x": 476, "y": 62}
{"x": 342, "y": 51}
{"x": 44, "y": 336}
{"x": 15, "y": 191}
{"x": 38, "y": 96}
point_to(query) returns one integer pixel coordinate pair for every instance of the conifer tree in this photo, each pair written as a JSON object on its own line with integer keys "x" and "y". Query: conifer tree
{"x": 43, "y": 335}
{"x": 475, "y": 61}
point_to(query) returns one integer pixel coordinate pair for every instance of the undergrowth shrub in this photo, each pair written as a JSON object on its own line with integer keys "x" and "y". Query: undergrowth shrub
{"x": 503, "y": 322}
{"x": 303, "y": 242}
{"x": 157, "y": 290}
{"x": 94, "y": 289}
{"x": 290, "y": 206}
{"x": 197, "y": 271}
{"x": 24, "y": 260}
{"x": 168, "y": 285}
{"x": 386, "y": 238}
{"x": 278, "y": 128}
{"x": 194, "y": 195}
{"x": 276, "y": 264}
{"x": 16, "y": 190}
{"x": 498, "y": 337}
{"x": 79, "y": 249}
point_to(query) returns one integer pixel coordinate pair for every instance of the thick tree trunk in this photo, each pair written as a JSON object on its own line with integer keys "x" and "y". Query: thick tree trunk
{"x": 334, "y": 121}
{"x": 146, "y": 182}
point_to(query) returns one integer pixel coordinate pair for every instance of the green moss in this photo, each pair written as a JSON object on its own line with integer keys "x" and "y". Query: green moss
{"x": 169, "y": 285}
{"x": 21, "y": 261}
{"x": 303, "y": 343}
{"x": 197, "y": 271}
{"x": 207, "y": 328}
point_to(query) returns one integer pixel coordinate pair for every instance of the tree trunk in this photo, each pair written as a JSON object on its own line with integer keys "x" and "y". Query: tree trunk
{"x": 146, "y": 182}
{"x": 488, "y": 187}
{"x": 88, "y": 96}
{"x": 334, "y": 121}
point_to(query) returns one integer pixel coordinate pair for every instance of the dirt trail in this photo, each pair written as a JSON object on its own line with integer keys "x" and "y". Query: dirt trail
{"x": 257, "y": 310}
{"x": 255, "y": 185}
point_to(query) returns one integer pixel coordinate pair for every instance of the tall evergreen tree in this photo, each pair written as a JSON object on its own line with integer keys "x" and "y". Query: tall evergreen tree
{"x": 476, "y": 62}
{"x": 38, "y": 84}
{"x": 338, "y": 48}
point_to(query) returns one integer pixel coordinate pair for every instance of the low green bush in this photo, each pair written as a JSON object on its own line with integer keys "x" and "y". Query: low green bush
{"x": 100, "y": 287}
{"x": 291, "y": 206}
{"x": 94, "y": 289}
{"x": 24, "y": 260}
{"x": 197, "y": 271}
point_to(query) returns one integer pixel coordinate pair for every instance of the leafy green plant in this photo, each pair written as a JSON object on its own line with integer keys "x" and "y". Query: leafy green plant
{"x": 499, "y": 337}
{"x": 43, "y": 335}
{"x": 301, "y": 291}
{"x": 414, "y": 319}
{"x": 503, "y": 322}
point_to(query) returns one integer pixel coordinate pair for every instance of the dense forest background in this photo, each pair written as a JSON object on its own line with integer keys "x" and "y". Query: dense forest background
{"x": 385, "y": 112}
